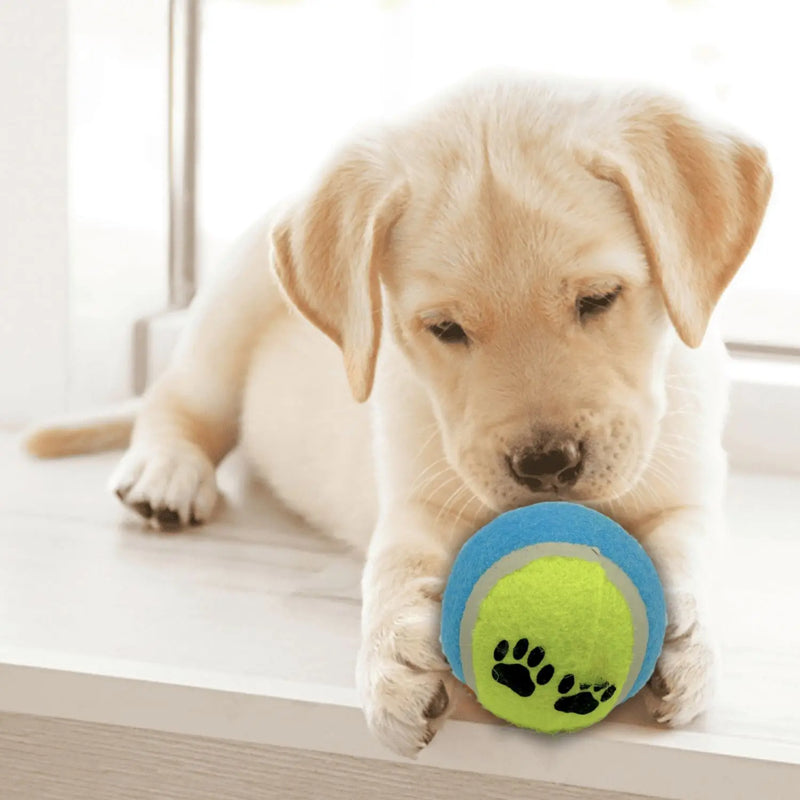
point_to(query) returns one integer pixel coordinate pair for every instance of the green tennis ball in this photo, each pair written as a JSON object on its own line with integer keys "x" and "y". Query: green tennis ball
{"x": 552, "y": 644}
{"x": 553, "y": 615}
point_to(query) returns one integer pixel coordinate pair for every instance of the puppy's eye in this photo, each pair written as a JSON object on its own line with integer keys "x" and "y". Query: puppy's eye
{"x": 594, "y": 304}
{"x": 449, "y": 332}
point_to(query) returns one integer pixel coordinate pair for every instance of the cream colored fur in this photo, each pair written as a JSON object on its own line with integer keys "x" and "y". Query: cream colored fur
{"x": 498, "y": 209}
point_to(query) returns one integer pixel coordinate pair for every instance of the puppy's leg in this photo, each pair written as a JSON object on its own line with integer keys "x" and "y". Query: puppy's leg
{"x": 403, "y": 678}
{"x": 680, "y": 542}
{"x": 189, "y": 417}
{"x": 406, "y": 685}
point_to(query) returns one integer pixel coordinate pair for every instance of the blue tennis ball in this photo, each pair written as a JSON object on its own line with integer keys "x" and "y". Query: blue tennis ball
{"x": 553, "y": 615}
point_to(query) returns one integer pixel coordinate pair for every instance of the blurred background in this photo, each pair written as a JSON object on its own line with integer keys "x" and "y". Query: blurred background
{"x": 85, "y": 141}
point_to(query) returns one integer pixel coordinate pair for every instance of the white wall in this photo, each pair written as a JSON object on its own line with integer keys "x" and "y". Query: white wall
{"x": 33, "y": 208}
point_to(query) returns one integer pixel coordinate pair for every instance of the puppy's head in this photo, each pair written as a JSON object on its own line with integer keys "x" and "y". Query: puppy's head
{"x": 533, "y": 254}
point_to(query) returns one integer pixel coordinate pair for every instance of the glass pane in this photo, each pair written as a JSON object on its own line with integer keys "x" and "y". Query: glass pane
{"x": 283, "y": 82}
{"x": 118, "y": 84}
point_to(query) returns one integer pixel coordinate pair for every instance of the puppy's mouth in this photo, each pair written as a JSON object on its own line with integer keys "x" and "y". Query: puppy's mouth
{"x": 589, "y": 486}
{"x": 574, "y": 494}
{"x": 588, "y": 477}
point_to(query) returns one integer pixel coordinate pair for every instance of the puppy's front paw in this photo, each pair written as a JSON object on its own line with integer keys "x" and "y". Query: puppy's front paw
{"x": 404, "y": 680}
{"x": 170, "y": 486}
{"x": 682, "y": 685}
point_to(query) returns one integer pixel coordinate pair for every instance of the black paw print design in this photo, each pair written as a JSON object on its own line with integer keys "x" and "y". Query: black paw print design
{"x": 519, "y": 676}
{"x": 584, "y": 701}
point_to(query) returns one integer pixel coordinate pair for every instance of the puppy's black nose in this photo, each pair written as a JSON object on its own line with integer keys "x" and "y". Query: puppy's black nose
{"x": 541, "y": 469}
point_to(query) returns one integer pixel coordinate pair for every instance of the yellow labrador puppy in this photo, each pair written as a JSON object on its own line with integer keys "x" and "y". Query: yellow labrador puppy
{"x": 519, "y": 280}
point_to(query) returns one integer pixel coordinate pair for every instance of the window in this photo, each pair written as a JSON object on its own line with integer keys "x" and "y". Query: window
{"x": 117, "y": 176}
{"x": 283, "y": 82}
{"x": 83, "y": 222}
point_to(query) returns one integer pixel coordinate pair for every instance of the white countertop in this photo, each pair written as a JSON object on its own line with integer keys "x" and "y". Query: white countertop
{"x": 246, "y": 629}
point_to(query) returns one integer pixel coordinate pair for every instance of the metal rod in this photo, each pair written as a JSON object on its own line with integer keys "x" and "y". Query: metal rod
{"x": 184, "y": 52}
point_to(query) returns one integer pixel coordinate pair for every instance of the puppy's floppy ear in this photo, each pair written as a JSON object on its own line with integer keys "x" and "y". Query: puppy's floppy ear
{"x": 328, "y": 254}
{"x": 697, "y": 196}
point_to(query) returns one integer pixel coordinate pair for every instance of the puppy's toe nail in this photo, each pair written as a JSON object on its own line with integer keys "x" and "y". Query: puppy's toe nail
{"x": 438, "y": 705}
{"x": 144, "y": 508}
{"x": 167, "y": 518}
{"x": 659, "y": 685}
{"x": 677, "y": 633}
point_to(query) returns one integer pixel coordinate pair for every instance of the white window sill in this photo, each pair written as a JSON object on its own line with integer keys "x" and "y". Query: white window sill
{"x": 762, "y": 433}
{"x": 246, "y": 631}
